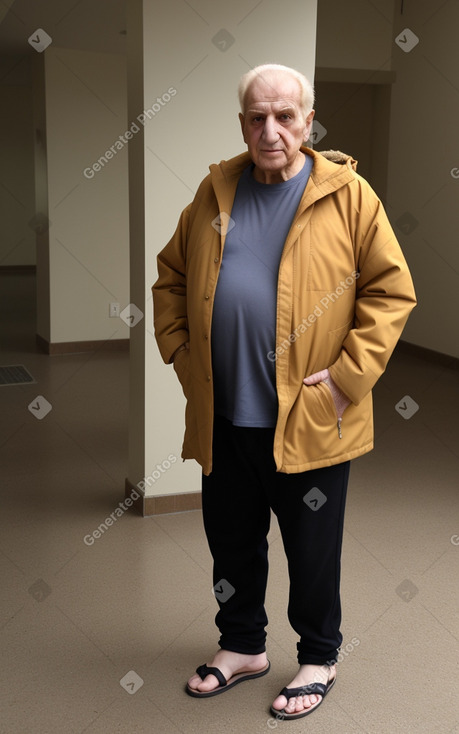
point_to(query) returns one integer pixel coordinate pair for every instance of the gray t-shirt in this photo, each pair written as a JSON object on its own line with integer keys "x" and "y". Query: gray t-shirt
{"x": 244, "y": 314}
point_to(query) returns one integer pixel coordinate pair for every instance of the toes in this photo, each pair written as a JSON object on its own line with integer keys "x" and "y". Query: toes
{"x": 194, "y": 681}
{"x": 280, "y": 702}
{"x": 309, "y": 701}
{"x": 208, "y": 684}
{"x": 297, "y": 704}
{"x": 306, "y": 702}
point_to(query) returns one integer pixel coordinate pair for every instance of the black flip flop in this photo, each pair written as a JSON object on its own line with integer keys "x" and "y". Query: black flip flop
{"x": 320, "y": 689}
{"x": 225, "y": 685}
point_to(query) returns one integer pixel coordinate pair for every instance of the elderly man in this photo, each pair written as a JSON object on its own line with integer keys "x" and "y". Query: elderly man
{"x": 280, "y": 299}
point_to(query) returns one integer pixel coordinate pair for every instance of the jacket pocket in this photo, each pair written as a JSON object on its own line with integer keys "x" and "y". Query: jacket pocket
{"x": 329, "y": 393}
{"x": 320, "y": 404}
{"x": 313, "y": 416}
{"x": 311, "y": 433}
{"x": 182, "y": 370}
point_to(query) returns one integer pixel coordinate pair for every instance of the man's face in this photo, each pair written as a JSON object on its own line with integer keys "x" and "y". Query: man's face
{"x": 274, "y": 128}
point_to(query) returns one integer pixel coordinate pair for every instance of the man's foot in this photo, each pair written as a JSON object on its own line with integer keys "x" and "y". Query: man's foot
{"x": 230, "y": 664}
{"x": 303, "y": 704}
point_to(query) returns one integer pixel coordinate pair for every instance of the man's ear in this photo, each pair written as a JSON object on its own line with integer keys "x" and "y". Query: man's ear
{"x": 241, "y": 120}
{"x": 308, "y": 125}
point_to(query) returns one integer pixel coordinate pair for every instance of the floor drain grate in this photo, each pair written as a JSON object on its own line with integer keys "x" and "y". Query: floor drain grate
{"x": 15, "y": 374}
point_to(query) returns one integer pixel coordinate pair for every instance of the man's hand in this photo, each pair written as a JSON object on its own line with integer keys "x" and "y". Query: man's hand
{"x": 339, "y": 398}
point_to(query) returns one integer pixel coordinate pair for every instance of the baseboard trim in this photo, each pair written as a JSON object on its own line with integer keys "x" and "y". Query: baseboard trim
{"x": 430, "y": 355}
{"x": 59, "y": 348}
{"x": 18, "y": 269}
{"x": 164, "y": 504}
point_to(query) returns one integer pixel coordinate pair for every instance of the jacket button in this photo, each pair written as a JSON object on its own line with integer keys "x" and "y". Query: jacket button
{"x": 206, "y": 298}
{"x": 206, "y": 336}
{"x": 208, "y": 378}
{"x": 216, "y": 259}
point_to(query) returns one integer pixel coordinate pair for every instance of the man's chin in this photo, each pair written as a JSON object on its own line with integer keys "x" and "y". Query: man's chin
{"x": 271, "y": 154}
{"x": 271, "y": 161}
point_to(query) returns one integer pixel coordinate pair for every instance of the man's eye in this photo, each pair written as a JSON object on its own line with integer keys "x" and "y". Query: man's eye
{"x": 285, "y": 117}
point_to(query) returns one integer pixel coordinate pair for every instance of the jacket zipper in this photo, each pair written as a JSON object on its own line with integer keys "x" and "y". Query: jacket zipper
{"x": 340, "y": 420}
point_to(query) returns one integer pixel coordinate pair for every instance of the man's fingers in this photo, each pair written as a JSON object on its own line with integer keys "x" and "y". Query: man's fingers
{"x": 316, "y": 377}
{"x": 340, "y": 400}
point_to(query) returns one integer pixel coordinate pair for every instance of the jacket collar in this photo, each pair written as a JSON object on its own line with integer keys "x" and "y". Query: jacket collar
{"x": 331, "y": 170}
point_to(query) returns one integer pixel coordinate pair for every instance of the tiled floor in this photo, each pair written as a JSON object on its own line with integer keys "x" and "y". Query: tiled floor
{"x": 136, "y": 606}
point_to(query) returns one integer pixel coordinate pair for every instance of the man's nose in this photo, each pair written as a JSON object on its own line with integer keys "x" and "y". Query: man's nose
{"x": 270, "y": 133}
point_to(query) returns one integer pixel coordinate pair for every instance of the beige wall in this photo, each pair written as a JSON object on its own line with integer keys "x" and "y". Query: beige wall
{"x": 353, "y": 81}
{"x": 419, "y": 150}
{"x": 17, "y": 238}
{"x": 355, "y": 35}
{"x": 423, "y": 152}
{"x": 199, "y": 125}
{"x": 86, "y": 105}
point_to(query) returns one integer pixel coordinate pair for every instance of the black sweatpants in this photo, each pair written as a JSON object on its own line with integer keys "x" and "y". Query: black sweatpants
{"x": 237, "y": 498}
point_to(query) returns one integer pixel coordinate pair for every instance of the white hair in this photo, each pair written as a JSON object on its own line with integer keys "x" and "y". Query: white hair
{"x": 307, "y": 90}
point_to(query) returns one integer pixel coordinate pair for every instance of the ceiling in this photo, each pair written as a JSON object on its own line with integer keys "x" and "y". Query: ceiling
{"x": 89, "y": 25}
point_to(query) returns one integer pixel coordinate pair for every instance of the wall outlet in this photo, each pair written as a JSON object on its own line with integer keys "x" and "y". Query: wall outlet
{"x": 114, "y": 310}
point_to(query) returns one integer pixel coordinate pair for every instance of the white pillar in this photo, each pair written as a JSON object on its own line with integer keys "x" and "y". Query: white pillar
{"x": 81, "y": 189}
{"x": 184, "y": 64}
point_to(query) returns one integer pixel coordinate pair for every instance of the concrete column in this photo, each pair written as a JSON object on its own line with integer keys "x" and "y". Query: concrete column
{"x": 184, "y": 64}
{"x": 81, "y": 189}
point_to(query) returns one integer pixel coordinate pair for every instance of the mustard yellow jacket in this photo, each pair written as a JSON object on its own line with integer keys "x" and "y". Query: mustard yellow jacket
{"x": 344, "y": 295}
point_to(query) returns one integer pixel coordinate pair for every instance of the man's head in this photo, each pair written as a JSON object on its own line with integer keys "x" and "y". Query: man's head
{"x": 267, "y": 70}
{"x": 276, "y": 118}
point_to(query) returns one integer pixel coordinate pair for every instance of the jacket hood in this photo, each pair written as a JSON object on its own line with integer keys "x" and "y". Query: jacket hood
{"x": 336, "y": 156}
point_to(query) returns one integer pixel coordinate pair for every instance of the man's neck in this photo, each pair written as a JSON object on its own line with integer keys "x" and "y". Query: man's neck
{"x": 274, "y": 177}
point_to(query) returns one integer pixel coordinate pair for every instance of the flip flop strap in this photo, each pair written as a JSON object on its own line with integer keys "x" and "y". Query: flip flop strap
{"x": 318, "y": 688}
{"x": 205, "y": 670}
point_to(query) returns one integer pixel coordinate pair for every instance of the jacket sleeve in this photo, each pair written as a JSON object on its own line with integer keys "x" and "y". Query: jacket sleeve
{"x": 384, "y": 299}
{"x": 169, "y": 292}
